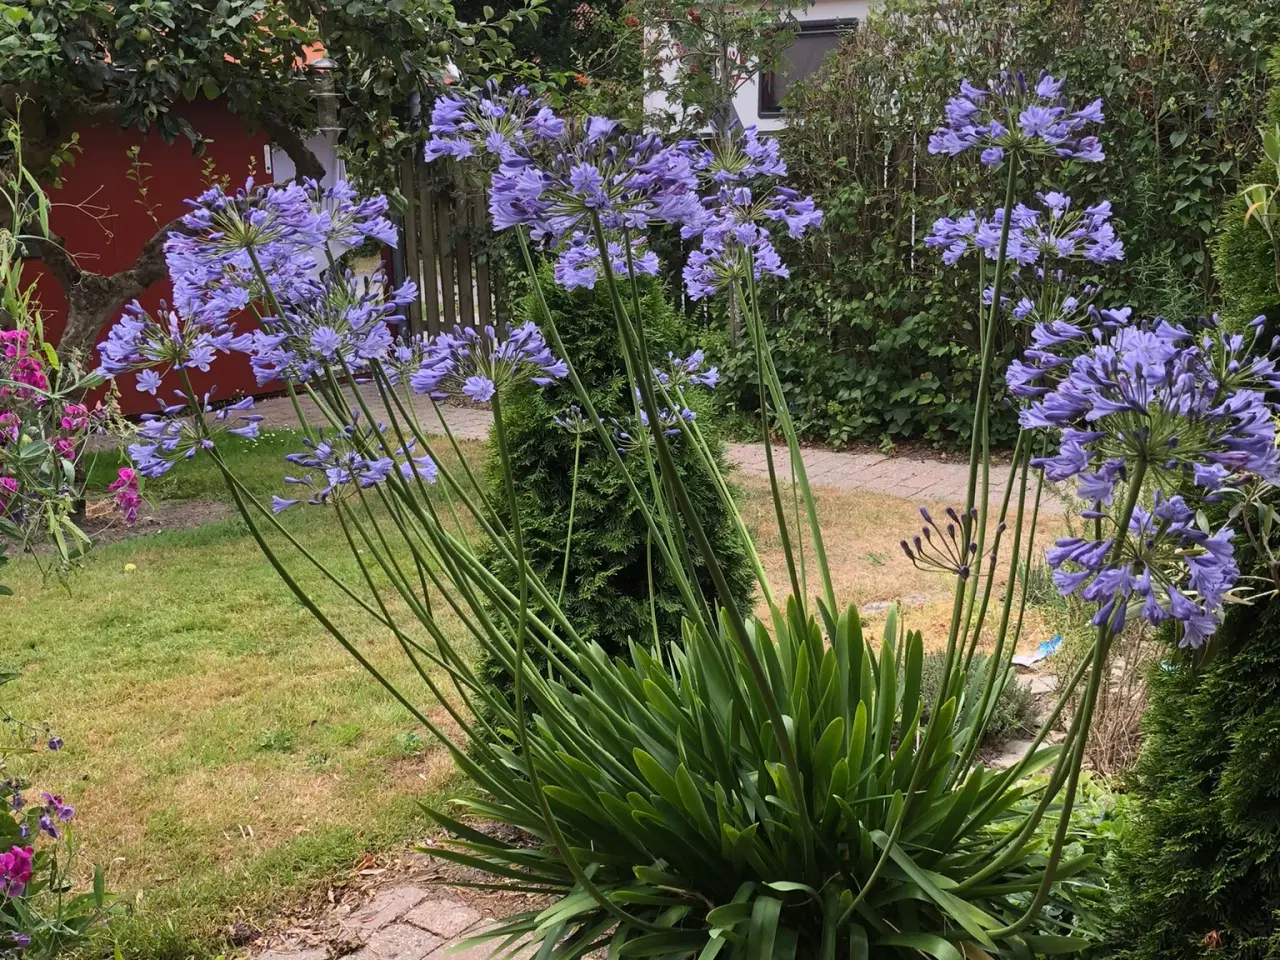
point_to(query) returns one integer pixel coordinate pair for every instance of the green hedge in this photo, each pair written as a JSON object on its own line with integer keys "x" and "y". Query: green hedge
{"x": 1199, "y": 869}
{"x": 607, "y": 594}
{"x": 873, "y": 337}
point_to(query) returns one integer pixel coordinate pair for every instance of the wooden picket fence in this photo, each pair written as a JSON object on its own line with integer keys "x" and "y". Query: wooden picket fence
{"x": 456, "y": 281}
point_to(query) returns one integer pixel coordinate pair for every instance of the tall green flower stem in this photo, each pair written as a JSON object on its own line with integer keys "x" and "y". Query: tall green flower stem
{"x": 633, "y": 346}
{"x": 979, "y": 442}
{"x": 568, "y": 536}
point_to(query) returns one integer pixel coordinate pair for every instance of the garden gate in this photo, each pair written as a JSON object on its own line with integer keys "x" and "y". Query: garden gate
{"x": 446, "y": 251}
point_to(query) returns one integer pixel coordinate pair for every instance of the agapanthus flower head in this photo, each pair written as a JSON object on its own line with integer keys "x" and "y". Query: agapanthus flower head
{"x": 478, "y": 363}
{"x": 1165, "y": 566}
{"x": 690, "y": 371}
{"x": 141, "y": 342}
{"x": 1056, "y": 232}
{"x": 739, "y": 154}
{"x": 174, "y": 434}
{"x": 262, "y": 242}
{"x": 579, "y": 266}
{"x": 943, "y": 546}
{"x": 594, "y": 171}
{"x": 490, "y": 125}
{"x": 730, "y": 250}
{"x": 745, "y": 205}
{"x": 573, "y": 421}
{"x": 1151, "y": 391}
{"x": 633, "y": 432}
{"x": 347, "y": 321}
{"x": 1013, "y": 114}
{"x": 355, "y": 458}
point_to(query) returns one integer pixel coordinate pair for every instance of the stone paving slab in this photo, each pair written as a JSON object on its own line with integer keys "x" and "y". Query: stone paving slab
{"x": 926, "y": 481}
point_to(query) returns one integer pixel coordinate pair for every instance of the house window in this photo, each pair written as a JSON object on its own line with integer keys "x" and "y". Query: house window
{"x": 815, "y": 40}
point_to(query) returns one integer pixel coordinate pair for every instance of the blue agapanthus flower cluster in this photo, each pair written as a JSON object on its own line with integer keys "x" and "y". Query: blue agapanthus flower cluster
{"x": 1057, "y": 232}
{"x": 173, "y": 434}
{"x": 262, "y": 242}
{"x": 1056, "y": 342}
{"x": 346, "y": 321}
{"x": 1167, "y": 567}
{"x": 491, "y": 124}
{"x": 579, "y": 263}
{"x": 1047, "y": 297}
{"x": 139, "y": 342}
{"x": 479, "y": 363}
{"x": 632, "y": 433}
{"x": 351, "y": 459}
{"x": 1192, "y": 408}
{"x": 556, "y": 179}
{"x": 629, "y": 181}
{"x": 690, "y": 371}
{"x": 740, "y": 213}
{"x": 1012, "y": 114}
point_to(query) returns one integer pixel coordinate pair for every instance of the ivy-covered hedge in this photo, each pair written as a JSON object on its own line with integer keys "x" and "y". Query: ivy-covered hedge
{"x": 873, "y": 338}
{"x": 607, "y": 593}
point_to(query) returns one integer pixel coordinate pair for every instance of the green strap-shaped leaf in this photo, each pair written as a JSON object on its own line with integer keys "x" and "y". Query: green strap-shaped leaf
{"x": 764, "y": 928}
{"x": 928, "y": 943}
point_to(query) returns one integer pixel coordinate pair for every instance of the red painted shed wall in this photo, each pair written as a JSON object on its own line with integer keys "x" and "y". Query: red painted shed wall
{"x": 99, "y": 178}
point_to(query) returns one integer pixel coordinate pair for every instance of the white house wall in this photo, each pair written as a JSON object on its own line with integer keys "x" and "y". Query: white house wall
{"x": 747, "y": 100}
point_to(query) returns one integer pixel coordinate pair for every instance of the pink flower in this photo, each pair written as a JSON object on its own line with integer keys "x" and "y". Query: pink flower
{"x": 15, "y": 871}
{"x": 65, "y": 448}
{"x": 10, "y": 424}
{"x": 13, "y": 343}
{"x": 125, "y": 487}
{"x": 75, "y": 417}
{"x": 8, "y": 490}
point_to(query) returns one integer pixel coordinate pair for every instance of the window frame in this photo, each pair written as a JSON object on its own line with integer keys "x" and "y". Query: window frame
{"x": 830, "y": 26}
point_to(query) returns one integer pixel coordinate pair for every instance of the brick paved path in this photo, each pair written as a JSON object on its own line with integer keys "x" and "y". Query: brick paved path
{"x": 923, "y": 480}
{"x": 406, "y": 922}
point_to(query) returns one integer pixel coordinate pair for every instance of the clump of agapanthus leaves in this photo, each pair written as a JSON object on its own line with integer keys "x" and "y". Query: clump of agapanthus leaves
{"x": 1184, "y": 411}
{"x": 1012, "y": 114}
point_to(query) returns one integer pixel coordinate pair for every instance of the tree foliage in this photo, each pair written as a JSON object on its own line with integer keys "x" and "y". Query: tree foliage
{"x": 610, "y": 564}
{"x": 66, "y": 65}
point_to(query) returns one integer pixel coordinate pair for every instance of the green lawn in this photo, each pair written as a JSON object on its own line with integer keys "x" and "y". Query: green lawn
{"x": 222, "y": 749}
